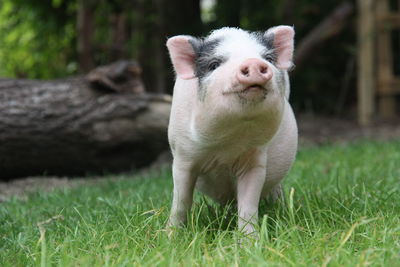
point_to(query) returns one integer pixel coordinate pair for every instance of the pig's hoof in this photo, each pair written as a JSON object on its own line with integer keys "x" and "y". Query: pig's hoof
{"x": 173, "y": 226}
{"x": 171, "y": 232}
{"x": 174, "y": 222}
{"x": 249, "y": 239}
{"x": 249, "y": 234}
{"x": 276, "y": 194}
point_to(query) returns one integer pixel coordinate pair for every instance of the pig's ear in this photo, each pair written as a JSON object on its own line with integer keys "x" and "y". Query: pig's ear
{"x": 283, "y": 43}
{"x": 183, "y": 55}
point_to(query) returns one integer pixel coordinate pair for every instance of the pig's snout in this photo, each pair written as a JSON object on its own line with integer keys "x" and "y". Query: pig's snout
{"x": 254, "y": 72}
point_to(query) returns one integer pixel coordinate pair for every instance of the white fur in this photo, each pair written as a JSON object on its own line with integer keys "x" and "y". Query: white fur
{"x": 238, "y": 42}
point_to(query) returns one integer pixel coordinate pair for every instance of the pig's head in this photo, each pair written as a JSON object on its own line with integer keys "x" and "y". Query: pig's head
{"x": 236, "y": 70}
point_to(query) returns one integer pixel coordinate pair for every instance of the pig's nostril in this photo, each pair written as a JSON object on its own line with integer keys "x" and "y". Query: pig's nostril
{"x": 245, "y": 71}
{"x": 263, "y": 69}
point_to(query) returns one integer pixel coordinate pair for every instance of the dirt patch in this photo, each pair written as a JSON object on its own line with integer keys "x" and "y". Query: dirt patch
{"x": 319, "y": 130}
{"x": 312, "y": 131}
{"x": 22, "y": 187}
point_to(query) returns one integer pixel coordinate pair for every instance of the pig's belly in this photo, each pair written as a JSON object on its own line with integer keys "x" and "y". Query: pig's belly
{"x": 220, "y": 184}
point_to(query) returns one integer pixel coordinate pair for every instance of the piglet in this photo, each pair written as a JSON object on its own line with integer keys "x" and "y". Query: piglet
{"x": 232, "y": 131}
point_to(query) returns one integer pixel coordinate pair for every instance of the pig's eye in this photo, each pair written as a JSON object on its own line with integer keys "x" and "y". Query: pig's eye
{"x": 214, "y": 64}
{"x": 269, "y": 57}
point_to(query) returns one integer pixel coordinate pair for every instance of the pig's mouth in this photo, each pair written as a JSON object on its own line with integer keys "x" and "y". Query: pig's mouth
{"x": 254, "y": 87}
{"x": 254, "y": 92}
{"x": 243, "y": 90}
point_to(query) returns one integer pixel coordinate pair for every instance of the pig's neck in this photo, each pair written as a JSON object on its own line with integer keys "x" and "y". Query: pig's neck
{"x": 221, "y": 131}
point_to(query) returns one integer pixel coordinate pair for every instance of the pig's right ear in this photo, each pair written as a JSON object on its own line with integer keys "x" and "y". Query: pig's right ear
{"x": 283, "y": 43}
{"x": 182, "y": 55}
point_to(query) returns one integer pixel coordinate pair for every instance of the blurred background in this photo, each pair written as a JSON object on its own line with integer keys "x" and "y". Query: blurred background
{"x": 345, "y": 83}
{"x": 51, "y": 39}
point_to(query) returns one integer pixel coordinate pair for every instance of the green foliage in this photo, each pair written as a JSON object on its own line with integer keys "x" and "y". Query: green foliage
{"x": 341, "y": 208}
{"x": 36, "y": 39}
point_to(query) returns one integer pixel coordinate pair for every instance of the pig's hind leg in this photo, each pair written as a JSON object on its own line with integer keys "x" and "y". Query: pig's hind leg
{"x": 275, "y": 194}
{"x": 219, "y": 186}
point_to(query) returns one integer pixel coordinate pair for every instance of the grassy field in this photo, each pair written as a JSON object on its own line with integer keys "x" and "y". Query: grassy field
{"x": 341, "y": 208}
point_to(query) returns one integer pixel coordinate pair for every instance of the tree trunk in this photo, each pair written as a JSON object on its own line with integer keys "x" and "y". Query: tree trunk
{"x": 151, "y": 42}
{"x": 168, "y": 18}
{"x": 228, "y": 13}
{"x": 329, "y": 27}
{"x": 85, "y": 28}
{"x": 73, "y": 127}
{"x": 118, "y": 36}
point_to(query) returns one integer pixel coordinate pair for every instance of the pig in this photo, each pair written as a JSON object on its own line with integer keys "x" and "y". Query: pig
{"x": 232, "y": 131}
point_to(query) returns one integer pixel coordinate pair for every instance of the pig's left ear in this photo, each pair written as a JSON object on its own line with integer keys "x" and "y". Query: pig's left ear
{"x": 283, "y": 44}
{"x": 182, "y": 55}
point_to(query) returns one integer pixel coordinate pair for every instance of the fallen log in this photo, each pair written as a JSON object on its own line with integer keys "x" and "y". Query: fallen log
{"x": 80, "y": 125}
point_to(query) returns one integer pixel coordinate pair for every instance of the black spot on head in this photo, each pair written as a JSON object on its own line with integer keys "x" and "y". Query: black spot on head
{"x": 268, "y": 42}
{"x": 206, "y": 60}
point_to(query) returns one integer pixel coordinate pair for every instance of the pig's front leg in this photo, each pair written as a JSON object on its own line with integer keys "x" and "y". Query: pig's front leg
{"x": 249, "y": 188}
{"x": 184, "y": 182}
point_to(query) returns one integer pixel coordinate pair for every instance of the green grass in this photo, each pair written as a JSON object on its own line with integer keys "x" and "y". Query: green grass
{"x": 341, "y": 208}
